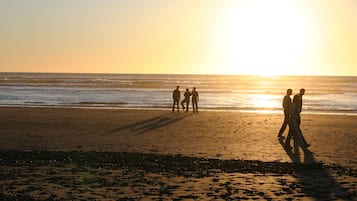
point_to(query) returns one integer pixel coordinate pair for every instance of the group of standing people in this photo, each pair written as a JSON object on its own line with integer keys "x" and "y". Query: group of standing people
{"x": 176, "y": 96}
{"x": 292, "y": 110}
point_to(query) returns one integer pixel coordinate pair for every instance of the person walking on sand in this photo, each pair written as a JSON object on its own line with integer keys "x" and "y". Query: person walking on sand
{"x": 299, "y": 110}
{"x": 299, "y": 103}
{"x": 176, "y": 97}
{"x": 186, "y": 100}
{"x": 286, "y": 107}
{"x": 195, "y": 100}
{"x": 295, "y": 120}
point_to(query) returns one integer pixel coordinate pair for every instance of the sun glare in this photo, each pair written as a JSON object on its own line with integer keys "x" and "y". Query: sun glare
{"x": 263, "y": 101}
{"x": 264, "y": 37}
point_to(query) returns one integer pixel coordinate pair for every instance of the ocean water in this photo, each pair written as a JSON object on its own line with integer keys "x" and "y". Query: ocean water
{"x": 324, "y": 94}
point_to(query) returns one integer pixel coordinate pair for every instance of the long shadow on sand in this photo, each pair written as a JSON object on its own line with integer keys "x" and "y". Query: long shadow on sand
{"x": 153, "y": 123}
{"x": 313, "y": 174}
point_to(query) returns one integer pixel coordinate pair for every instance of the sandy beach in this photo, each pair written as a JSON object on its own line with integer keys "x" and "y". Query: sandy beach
{"x": 88, "y": 154}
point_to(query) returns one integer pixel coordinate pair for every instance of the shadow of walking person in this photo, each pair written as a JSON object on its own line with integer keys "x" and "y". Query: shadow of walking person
{"x": 315, "y": 179}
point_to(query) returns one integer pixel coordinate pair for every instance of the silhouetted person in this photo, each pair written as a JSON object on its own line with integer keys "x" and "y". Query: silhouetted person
{"x": 295, "y": 110}
{"x": 186, "y": 100}
{"x": 286, "y": 107}
{"x": 299, "y": 102}
{"x": 176, "y": 97}
{"x": 195, "y": 99}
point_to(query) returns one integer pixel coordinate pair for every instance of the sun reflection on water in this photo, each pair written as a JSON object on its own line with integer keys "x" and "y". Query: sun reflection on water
{"x": 264, "y": 101}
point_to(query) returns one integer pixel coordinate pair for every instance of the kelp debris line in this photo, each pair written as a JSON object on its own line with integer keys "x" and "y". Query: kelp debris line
{"x": 159, "y": 163}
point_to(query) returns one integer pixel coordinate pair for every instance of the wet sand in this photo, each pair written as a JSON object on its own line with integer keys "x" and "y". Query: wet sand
{"x": 100, "y": 154}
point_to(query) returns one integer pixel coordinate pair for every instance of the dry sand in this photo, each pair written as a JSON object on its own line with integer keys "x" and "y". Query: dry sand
{"x": 83, "y": 154}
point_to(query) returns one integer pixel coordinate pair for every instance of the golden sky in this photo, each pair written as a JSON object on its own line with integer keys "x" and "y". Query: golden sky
{"x": 295, "y": 37}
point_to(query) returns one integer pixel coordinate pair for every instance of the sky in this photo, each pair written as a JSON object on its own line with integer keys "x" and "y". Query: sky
{"x": 275, "y": 37}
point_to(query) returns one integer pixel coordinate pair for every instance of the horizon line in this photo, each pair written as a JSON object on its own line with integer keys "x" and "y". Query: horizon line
{"x": 203, "y": 74}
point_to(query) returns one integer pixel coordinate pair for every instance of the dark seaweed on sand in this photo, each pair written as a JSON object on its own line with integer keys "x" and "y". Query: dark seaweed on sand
{"x": 156, "y": 163}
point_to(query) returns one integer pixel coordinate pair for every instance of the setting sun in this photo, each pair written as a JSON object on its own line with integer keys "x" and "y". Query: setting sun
{"x": 264, "y": 37}
{"x": 255, "y": 37}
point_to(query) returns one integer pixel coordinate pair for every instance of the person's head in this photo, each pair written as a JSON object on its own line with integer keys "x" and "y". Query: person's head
{"x": 177, "y": 87}
{"x": 289, "y": 92}
{"x": 194, "y": 88}
{"x": 302, "y": 91}
{"x": 186, "y": 89}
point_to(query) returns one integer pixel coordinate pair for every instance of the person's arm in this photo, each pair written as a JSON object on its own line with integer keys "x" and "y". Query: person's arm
{"x": 300, "y": 104}
{"x": 286, "y": 103}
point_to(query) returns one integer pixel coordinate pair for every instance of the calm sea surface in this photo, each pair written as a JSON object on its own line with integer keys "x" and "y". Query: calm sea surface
{"x": 324, "y": 94}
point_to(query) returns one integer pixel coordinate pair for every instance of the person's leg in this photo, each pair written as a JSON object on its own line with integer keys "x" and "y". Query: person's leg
{"x": 187, "y": 105}
{"x": 288, "y": 138}
{"x": 303, "y": 140}
{"x": 283, "y": 126}
{"x": 182, "y": 102}
{"x": 292, "y": 132}
{"x": 173, "y": 106}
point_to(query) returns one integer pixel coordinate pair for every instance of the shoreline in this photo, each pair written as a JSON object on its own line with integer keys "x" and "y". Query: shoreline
{"x": 233, "y": 110}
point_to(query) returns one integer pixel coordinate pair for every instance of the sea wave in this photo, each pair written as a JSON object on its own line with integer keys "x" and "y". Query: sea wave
{"x": 329, "y": 94}
{"x": 100, "y": 103}
{"x": 168, "y": 108}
